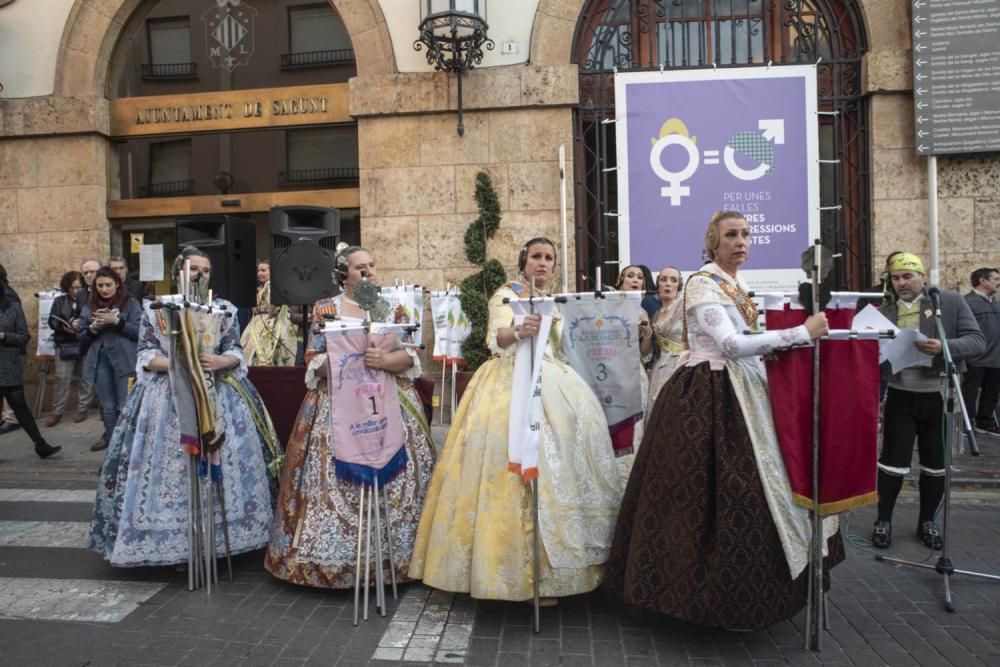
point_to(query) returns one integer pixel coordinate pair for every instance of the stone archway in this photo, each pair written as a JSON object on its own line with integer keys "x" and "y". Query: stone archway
{"x": 94, "y": 27}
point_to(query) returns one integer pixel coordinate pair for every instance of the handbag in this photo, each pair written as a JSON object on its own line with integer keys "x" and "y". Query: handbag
{"x": 69, "y": 351}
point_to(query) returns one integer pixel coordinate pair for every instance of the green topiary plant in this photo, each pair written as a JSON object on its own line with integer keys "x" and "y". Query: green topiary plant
{"x": 479, "y": 287}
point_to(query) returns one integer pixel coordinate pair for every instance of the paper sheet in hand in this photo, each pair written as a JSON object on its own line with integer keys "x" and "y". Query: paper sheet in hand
{"x": 870, "y": 319}
{"x": 902, "y": 351}
{"x": 151, "y": 262}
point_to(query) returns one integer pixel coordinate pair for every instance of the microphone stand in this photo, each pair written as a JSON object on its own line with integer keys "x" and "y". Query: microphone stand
{"x": 950, "y": 388}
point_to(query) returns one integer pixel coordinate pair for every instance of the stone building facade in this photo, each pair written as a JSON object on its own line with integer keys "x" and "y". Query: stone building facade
{"x": 59, "y": 171}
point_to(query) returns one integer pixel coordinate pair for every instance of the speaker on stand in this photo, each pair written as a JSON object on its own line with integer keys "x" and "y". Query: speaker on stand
{"x": 231, "y": 245}
{"x": 303, "y": 248}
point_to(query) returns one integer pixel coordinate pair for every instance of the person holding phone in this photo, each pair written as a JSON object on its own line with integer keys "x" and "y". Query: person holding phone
{"x": 109, "y": 325}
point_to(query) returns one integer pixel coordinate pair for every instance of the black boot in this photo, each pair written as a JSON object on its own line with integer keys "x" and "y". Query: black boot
{"x": 45, "y": 450}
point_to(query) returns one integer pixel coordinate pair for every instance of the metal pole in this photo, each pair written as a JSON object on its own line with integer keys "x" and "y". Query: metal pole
{"x": 368, "y": 552}
{"x": 379, "y": 572}
{"x": 221, "y": 489}
{"x": 535, "y": 546}
{"x": 814, "y": 614}
{"x": 932, "y": 213}
{"x": 191, "y": 542}
{"x": 563, "y": 217}
{"x": 43, "y": 376}
{"x": 357, "y": 560}
{"x": 388, "y": 539}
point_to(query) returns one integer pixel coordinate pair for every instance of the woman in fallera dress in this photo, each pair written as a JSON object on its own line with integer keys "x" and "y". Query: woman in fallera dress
{"x": 314, "y": 534}
{"x": 269, "y": 339}
{"x": 476, "y": 531}
{"x": 708, "y": 532}
{"x": 141, "y": 511}
{"x": 668, "y": 331}
{"x": 633, "y": 279}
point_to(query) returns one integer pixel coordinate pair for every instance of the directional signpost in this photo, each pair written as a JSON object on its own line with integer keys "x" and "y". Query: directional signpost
{"x": 956, "y": 76}
{"x": 956, "y": 88}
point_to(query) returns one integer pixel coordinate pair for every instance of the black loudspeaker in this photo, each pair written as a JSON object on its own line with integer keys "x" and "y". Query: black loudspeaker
{"x": 231, "y": 245}
{"x": 303, "y": 247}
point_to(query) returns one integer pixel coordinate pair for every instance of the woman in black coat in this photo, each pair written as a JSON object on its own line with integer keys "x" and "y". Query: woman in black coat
{"x": 14, "y": 339}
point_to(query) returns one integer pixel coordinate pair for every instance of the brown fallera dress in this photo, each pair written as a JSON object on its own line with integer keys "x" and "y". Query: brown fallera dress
{"x": 695, "y": 537}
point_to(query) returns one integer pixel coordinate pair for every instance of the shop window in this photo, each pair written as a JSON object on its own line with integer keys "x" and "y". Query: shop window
{"x": 316, "y": 38}
{"x": 169, "y": 169}
{"x": 169, "y": 49}
{"x": 327, "y": 155}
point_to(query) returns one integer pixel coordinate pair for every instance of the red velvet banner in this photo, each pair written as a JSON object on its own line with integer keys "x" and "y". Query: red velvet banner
{"x": 849, "y": 392}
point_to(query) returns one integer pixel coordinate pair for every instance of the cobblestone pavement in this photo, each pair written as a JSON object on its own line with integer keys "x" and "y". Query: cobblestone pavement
{"x": 880, "y": 613}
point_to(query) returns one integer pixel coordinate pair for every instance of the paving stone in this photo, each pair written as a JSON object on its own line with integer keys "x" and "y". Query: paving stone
{"x": 576, "y": 640}
{"x": 734, "y": 655}
{"x": 545, "y": 652}
{"x": 516, "y": 639}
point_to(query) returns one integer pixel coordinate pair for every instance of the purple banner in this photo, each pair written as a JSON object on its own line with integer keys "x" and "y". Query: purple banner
{"x": 696, "y": 142}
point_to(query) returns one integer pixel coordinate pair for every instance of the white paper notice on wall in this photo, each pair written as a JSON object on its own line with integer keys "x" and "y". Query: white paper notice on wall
{"x": 151, "y": 263}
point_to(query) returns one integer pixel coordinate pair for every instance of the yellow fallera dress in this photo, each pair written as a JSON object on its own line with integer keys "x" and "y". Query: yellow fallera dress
{"x": 270, "y": 337}
{"x": 475, "y": 534}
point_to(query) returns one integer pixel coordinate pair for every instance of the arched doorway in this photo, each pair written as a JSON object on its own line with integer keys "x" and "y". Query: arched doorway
{"x": 633, "y": 35}
{"x": 229, "y": 108}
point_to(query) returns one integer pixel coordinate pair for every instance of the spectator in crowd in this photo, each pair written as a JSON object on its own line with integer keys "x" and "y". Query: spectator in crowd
{"x": 982, "y": 377}
{"x": 134, "y": 288}
{"x": 883, "y": 286}
{"x": 64, "y": 317}
{"x": 668, "y": 329}
{"x": 913, "y": 403}
{"x": 109, "y": 324}
{"x": 651, "y": 300}
{"x": 8, "y": 422}
{"x": 14, "y": 339}
{"x": 88, "y": 269}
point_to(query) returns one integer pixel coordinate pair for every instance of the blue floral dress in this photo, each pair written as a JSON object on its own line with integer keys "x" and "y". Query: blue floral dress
{"x": 141, "y": 511}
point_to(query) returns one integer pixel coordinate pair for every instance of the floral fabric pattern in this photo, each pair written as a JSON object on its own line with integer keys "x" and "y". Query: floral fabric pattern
{"x": 315, "y": 528}
{"x": 475, "y": 535}
{"x": 140, "y": 512}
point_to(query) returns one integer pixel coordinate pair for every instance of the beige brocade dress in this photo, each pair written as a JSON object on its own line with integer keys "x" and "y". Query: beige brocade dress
{"x": 475, "y": 534}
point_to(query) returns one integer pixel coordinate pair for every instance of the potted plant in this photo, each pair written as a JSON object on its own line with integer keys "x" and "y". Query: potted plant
{"x": 477, "y": 289}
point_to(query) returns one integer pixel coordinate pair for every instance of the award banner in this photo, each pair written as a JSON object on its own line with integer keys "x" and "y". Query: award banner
{"x": 524, "y": 427}
{"x": 366, "y": 422}
{"x": 849, "y": 404}
{"x": 406, "y": 302}
{"x": 46, "y": 347}
{"x": 693, "y": 142}
{"x": 600, "y": 340}
{"x": 451, "y": 327}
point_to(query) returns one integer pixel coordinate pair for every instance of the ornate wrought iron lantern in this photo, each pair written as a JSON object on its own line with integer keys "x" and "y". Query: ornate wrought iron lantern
{"x": 454, "y": 34}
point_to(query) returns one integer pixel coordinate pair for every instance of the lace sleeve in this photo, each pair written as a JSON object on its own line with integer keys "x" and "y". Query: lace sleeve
{"x": 714, "y": 321}
{"x": 229, "y": 340}
{"x": 149, "y": 346}
{"x": 501, "y": 315}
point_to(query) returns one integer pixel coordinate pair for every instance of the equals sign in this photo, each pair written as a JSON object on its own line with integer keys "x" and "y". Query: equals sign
{"x": 711, "y": 157}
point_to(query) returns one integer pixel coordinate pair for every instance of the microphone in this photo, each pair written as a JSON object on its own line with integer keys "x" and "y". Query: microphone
{"x": 935, "y": 294}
